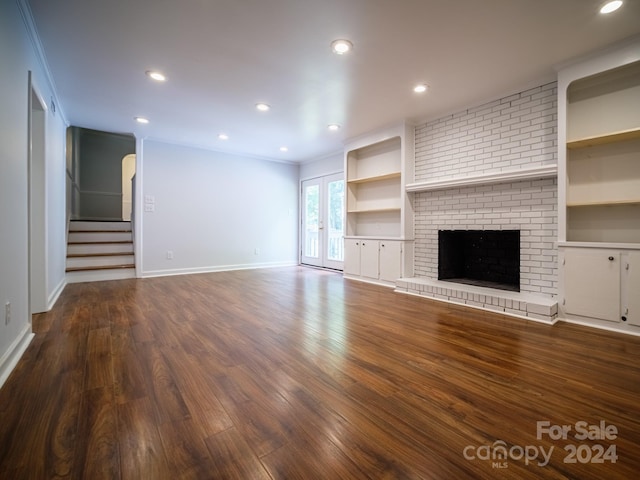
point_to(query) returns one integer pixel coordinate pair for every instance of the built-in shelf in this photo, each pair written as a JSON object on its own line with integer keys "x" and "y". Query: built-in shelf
{"x": 599, "y": 208}
{"x": 376, "y": 178}
{"x": 533, "y": 173}
{"x": 595, "y": 203}
{"x": 375, "y": 210}
{"x": 614, "y": 137}
{"x": 379, "y": 215}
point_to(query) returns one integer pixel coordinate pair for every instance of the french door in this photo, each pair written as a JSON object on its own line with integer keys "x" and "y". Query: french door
{"x": 323, "y": 221}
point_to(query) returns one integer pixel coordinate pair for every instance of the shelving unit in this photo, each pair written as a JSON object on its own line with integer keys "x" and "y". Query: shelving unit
{"x": 376, "y": 178}
{"x": 599, "y": 190}
{"x": 631, "y": 134}
{"x": 379, "y": 215}
{"x": 603, "y": 157}
{"x": 374, "y": 189}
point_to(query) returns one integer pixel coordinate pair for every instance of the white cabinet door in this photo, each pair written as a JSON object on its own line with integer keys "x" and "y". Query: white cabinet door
{"x": 592, "y": 283}
{"x": 390, "y": 260}
{"x": 352, "y": 256}
{"x": 369, "y": 258}
{"x": 633, "y": 289}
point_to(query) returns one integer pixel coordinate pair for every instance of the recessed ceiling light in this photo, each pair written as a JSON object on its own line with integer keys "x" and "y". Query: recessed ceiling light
{"x": 141, "y": 120}
{"x": 611, "y": 6}
{"x": 341, "y": 47}
{"x": 223, "y": 136}
{"x": 284, "y": 149}
{"x": 157, "y": 76}
{"x": 263, "y": 107}
{"x": 420, "y": 88}
{"x": 333, "y": 127}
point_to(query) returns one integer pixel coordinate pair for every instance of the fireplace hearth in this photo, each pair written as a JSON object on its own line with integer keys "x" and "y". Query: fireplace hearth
{"x": 486, "y": 258}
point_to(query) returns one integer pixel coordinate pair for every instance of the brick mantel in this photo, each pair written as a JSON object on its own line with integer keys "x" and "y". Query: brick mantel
{"x": 533, "y": 173}
{"x": 491, "y": 167}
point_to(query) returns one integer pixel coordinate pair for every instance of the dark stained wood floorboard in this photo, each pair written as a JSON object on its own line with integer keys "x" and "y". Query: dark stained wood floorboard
{"x": 297, "y": 373}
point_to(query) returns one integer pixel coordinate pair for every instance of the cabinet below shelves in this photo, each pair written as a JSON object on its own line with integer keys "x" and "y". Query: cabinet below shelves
{"x": 592, "y": 287}
{"x": 601, "y": 284}
{"x": 378, "y": 261}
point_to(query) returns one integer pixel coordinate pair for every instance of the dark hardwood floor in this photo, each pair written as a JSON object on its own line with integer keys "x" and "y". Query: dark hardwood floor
{"x": 296, "y": 373}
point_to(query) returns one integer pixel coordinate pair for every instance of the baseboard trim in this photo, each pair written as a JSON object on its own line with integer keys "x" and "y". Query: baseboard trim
{"x": 53, "y": 298}
{"x": 10, "y": 359}
{"x": 600, "y": 326}
{"x": 213, "y": 269}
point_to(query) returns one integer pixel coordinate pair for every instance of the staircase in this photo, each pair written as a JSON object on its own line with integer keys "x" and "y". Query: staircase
{"x": 99, "y": 251}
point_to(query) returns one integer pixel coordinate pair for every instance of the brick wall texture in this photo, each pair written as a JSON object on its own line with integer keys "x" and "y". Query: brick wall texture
{"x": 518, "y": 131}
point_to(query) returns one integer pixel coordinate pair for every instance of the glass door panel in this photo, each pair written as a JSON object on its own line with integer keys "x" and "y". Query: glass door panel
{"x": 311, "y": 222}
{"x": 335, "y": 223}
{"x": 323, "y": 222}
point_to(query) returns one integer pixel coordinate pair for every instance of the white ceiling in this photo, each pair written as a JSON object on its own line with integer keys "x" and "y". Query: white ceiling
{"x": 221, "y": 57}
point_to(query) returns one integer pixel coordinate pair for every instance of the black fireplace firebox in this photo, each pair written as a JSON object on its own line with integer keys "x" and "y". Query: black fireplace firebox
{"x": 487, "y": 258}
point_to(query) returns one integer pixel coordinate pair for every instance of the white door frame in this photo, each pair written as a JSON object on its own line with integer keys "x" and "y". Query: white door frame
{"x": 128, "y": 171}
{"x": 36, "y": 201}
{"x": 323, "y": 238}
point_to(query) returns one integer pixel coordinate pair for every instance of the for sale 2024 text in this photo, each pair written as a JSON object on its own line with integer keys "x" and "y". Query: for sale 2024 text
{"x": 583, "y": 453}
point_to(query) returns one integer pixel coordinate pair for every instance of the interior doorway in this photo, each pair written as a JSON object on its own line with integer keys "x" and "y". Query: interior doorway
{"x": 128, "y": 171}
{"x": 95, "y": 171}
{"x": 37, "y": 252}
{"x": 323, "y": 222}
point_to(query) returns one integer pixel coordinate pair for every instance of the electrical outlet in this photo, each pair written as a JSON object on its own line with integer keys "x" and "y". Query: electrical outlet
{"x": 149, "y": 207}
{"x": 169, "y": 254}
{"x": 7, "y": 313}
{"x": 256, "y": 251}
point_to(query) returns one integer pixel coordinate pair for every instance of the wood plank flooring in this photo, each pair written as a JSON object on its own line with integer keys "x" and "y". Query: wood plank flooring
{"x": 296, "y": 373}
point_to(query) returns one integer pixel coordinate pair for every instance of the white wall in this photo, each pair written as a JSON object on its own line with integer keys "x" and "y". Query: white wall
{"x": 213, "y": 210}
{"x": 322, "y": 166}
{"x": 17, "y": 57}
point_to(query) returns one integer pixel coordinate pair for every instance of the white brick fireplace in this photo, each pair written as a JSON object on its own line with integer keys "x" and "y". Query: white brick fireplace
{"x": 492, "y": 167}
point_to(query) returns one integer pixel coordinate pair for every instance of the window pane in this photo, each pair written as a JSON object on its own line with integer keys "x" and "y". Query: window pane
{"x": 311, "y": 210}
{"x": 335, "y": 250}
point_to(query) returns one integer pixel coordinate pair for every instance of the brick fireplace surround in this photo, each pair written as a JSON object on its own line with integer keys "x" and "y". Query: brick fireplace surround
{"x": 475, "y": 170}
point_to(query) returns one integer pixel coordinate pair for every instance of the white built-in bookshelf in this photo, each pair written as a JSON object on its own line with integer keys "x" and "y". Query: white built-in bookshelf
{"x": 379, "y": 223}
{"x": 599, "y": 190}
{"x": 603, "y": 157}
